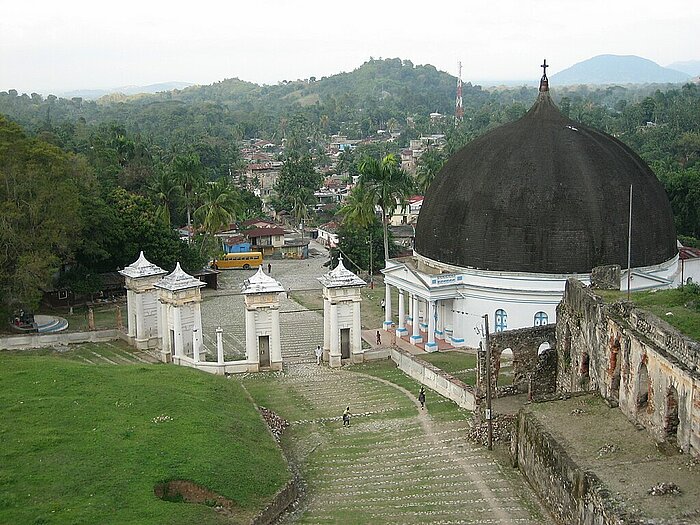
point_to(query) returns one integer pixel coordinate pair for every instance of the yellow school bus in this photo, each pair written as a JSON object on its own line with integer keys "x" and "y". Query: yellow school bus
{"x": 245, "y": 260}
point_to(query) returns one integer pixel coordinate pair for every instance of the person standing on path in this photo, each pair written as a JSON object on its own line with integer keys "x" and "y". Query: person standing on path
{"x": 346, "y": 417}
{"x": 379, "y": 338}
{"x": 421, "y": 398}
{"x": 383, "y": 305}
{"x": 269, "y": 268}
{"x": 319, "y": 354}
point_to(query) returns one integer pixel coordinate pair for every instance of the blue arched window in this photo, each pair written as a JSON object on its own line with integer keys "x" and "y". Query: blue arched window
{"x": 501, "y": 320}
{"x": 541, "y": 319}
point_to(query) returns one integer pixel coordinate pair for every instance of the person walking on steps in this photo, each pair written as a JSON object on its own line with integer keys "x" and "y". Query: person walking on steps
{"x": 319, "y": 354}
{"x": 421, "y": 398}
{"x": 346, "y": 417}
{"x": 379, "y": 338}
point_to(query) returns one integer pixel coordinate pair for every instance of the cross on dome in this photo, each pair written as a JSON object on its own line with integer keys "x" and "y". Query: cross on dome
{"x": 544, "y": 82}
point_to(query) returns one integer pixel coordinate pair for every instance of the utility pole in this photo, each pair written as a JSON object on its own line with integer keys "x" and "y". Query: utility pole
{"x": 371, "y": 275}
{"x": 487, "y": 348}
{"x": 629, "y": 249}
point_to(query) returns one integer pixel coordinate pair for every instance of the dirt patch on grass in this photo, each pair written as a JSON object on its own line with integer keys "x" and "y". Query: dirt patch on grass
{"x": 183, "y": 491}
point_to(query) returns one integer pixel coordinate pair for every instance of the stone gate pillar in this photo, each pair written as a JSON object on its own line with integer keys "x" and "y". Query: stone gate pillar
{"x": 142, "y": 302}
{"x": 262, "y": 322}
{"x": 180, "y": 296}
{"x": 342, "y": 324}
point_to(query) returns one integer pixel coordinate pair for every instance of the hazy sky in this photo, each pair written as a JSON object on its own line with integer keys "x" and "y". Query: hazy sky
{"x": 52, "y": 46}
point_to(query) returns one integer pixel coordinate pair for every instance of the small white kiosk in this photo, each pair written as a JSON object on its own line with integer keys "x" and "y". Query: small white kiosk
{"x": 262, "y": 322}
{"x": 180, "y": 316}
{"x": 342, "y": 336}
{"x": 142, "y": 302}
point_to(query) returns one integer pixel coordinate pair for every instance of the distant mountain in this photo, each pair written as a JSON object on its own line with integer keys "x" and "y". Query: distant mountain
{"x": 692, "y": 67}
{"x": 90, "y": 94}
{"x": 617, "y": 69}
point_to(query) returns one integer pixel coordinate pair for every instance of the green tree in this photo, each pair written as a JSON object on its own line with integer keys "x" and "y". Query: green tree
{"x": 386, "y": 185}
{"x": 219, "y": 208}
{"x": 187, "y": 169}
{"x": 362, "y": 246}
{"x": 429, "y": 164}
{"x": 298, "y": 181}
{"x": 39, "y": 215}
{"x": 165, "y": 191}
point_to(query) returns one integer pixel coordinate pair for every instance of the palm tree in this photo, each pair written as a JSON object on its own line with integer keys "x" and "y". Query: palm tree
{"x": 220, "y": 204}
{"x": 359, "y": 211}
{"x": 386, "y": 185}
{"x": 187, "y": 169}
{"x": 429, "y": 164}
{"x": 300, "y": 210}
{"x": 164, "y": 190}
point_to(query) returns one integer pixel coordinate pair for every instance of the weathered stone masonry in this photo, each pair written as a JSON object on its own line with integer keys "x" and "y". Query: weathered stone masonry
{"x": 633, "y": 359}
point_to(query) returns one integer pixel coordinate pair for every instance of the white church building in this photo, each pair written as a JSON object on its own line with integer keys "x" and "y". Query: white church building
{"x": 514, "y": 214}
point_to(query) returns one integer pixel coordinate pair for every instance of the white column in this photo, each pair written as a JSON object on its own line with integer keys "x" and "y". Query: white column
{"x": 356, "y": 332}
{"x": 431, "y": 345}
{"x": 326, "y": 324}
{"x": 163, "y": 332}
{"x": 177, "y": 326}
{"x": 415, "y": 329}
{"x": 439, "y": 322}
{"x": 138, "y": 300}
{"x": 410, "y": 307}
{"x": 251, "y": 347}
{"x": 275, "y": 343}
{"x": 219, "y": 345}
{"x": 387, "y": 307}
{"x": 195, "y": 344}
{"x": 130, "y": 309}
{"x": 335, "y": 357}
{"x": 198, "y": 325}
{"x": 401, "y": 330}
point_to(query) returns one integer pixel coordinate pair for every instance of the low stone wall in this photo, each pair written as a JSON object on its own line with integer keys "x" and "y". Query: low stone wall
{"x": 282, "y": 500}
{"x": 572, "y": 495}
{"x": 434, "y": 378}
{"x": 212, "y": 367}
{"x": 30, "y": 341}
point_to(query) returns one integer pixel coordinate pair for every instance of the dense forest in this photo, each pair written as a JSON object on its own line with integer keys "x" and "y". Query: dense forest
{"x": 86, "y": 184}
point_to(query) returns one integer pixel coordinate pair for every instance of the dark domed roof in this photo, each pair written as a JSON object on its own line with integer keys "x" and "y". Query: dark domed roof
{"x": 547, "y": 195}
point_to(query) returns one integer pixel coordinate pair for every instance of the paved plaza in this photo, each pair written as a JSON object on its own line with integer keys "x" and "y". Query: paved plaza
{"x": 300, "y": 329}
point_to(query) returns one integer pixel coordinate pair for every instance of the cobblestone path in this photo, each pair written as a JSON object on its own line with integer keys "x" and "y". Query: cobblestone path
{"x": 395, "y": 463}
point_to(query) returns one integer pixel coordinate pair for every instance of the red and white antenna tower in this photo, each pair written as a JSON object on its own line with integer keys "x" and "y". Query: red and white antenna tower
{"x": 459, "y": 110}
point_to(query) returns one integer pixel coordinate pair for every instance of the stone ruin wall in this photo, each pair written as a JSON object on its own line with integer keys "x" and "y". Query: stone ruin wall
{"x": 634, "y": 360}
{"x": 532, "y": 373}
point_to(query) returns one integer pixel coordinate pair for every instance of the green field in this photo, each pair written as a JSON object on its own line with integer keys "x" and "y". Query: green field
{"x": 682, "y": 303}
{"x": 82, "y": 443}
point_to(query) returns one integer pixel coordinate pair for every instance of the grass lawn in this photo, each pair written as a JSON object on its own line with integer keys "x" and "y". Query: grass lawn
{"x": 81, "y": 443}
{"x": 438, "y": 407}
{"x": 457, "y": 364}
{"x": 683, "y": 303}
